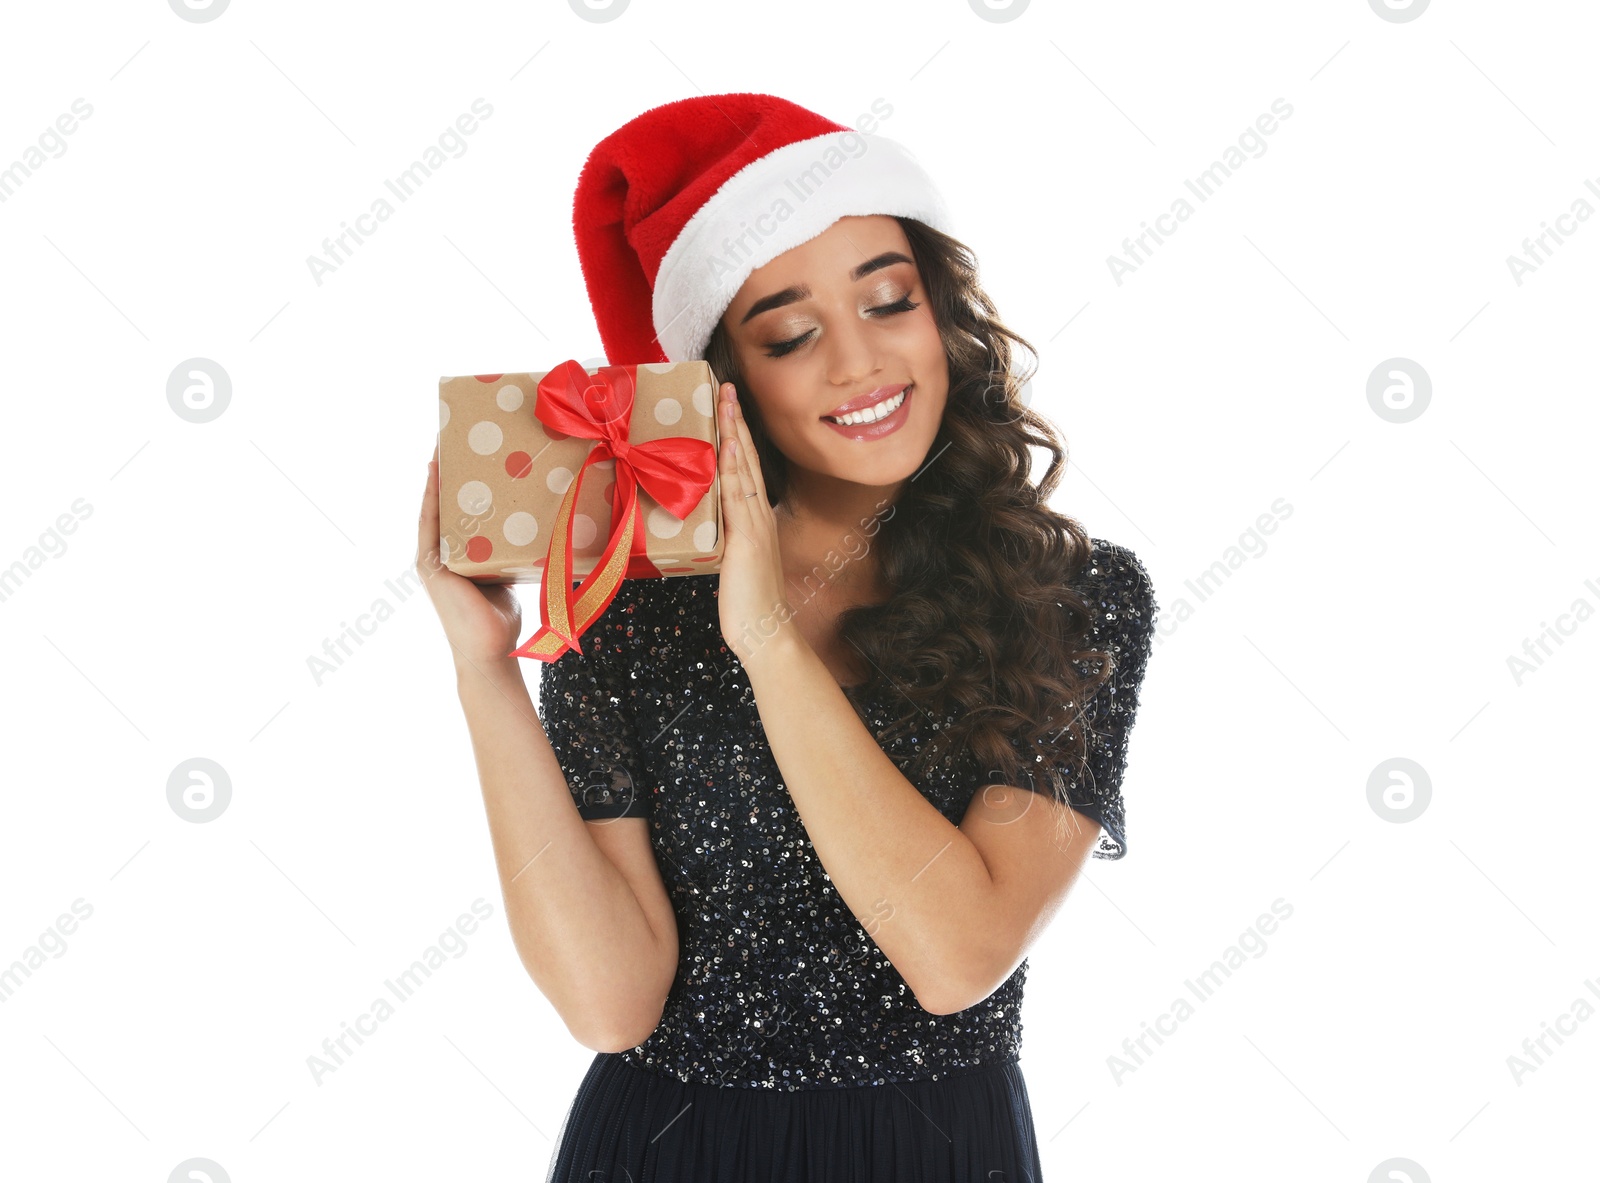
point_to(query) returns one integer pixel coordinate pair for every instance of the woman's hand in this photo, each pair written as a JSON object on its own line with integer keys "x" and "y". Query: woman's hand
{"x": 751, "y": 602}
{"x": 481, "y": 621}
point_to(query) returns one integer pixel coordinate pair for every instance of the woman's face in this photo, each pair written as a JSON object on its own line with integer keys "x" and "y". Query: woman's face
{"x": 837, "y": 318}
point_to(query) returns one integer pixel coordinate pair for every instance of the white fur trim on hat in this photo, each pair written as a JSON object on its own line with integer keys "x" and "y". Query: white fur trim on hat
{"x": 772, "y": 205}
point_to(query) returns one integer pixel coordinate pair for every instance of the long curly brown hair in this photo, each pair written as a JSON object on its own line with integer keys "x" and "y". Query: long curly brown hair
{"x": 983, "y": 614}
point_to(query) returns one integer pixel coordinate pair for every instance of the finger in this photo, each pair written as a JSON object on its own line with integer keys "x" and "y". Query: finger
{"x": 736, "y": 511}
{"x": 747, "y": 484}
{"x": 428, "y": 519}
{"x": 747, "y": 448}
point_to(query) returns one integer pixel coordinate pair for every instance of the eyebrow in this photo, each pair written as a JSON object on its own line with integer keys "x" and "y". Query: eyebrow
{"x": 801, "y": 292}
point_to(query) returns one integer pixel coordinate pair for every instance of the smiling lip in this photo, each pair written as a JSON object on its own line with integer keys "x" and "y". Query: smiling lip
{"x": 862, "y": 401}
{"x": 879, "y": 428}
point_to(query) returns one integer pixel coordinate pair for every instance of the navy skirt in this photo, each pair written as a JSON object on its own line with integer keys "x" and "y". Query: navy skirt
{"x": 631, "y": 1125}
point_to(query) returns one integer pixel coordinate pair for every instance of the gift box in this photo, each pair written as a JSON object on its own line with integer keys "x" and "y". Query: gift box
{"x": 600, "y": 474}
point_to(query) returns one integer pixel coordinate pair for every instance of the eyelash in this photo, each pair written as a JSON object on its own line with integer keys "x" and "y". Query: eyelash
{"x": 904, "y": 304}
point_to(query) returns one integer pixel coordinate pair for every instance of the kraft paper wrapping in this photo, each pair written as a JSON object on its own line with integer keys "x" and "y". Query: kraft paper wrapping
{"x": 503, "y": 475}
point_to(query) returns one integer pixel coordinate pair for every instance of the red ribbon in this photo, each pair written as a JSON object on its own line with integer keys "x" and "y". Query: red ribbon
{"x": 675, "y": 471}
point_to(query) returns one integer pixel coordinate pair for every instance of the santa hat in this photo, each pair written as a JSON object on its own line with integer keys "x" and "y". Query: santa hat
{"x": 677, "y": 207}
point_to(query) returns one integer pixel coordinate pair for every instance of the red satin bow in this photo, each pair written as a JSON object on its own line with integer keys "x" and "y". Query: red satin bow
{"x": 675, "y": 471}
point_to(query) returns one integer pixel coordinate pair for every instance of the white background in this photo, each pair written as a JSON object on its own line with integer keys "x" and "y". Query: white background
{"x": 1228, "y": 371}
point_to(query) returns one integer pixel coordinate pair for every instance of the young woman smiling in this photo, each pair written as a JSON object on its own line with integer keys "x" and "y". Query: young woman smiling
{"x": 778, "y": 839}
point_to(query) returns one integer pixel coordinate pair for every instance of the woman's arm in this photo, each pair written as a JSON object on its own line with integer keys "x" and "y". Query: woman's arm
{"x": 918, "y": 885}
{"x": 588, "y": 911}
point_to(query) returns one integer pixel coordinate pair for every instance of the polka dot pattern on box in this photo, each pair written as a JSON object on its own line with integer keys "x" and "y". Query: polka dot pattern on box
{"x": 504, "y": 474}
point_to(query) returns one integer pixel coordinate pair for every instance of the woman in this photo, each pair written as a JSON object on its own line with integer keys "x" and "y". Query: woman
{"x": 826, "y": 797}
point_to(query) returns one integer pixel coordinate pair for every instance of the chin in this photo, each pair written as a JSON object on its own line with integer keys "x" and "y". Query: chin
{"x": 882, "y": 474}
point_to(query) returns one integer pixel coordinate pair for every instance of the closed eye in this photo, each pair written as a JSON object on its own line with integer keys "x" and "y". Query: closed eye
{"x": 903, "y": 304}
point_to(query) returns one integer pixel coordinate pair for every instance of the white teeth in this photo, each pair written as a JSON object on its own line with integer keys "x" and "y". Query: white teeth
{"x": 871, "y": 414}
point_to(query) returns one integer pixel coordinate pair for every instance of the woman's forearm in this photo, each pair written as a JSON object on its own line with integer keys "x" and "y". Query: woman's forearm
{"x": 917, "y": 883}
{"x": 577, "y": 924}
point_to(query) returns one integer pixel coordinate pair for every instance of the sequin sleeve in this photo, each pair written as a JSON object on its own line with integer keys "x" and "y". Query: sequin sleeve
{"x": 1121, "y": 597}
{"x": 584, "y": 706}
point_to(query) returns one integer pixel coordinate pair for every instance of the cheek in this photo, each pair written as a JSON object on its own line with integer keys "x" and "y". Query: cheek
{"x": 779, "y": 399}
{"x": 925, "y": 328}
{"x": 930, "y": 349}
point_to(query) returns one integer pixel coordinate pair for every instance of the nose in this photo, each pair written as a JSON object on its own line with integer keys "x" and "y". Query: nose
{"x": 852, "y": 356}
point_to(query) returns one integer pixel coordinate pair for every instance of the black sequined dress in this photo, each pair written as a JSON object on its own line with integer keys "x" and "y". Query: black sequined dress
{"x": 790, "y": 1047}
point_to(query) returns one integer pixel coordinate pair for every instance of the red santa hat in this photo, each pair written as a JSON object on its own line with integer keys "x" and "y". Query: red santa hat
{"x": 677, "y": 207}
